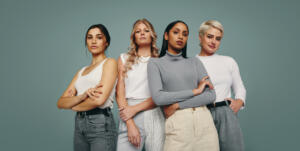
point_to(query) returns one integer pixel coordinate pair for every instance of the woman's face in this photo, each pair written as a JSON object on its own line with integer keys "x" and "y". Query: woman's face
{"x": 177, "y": 36}
{"x": 211, "y": 40}
{"x": 142, "y": 35}
{"x": 96, "y": 41}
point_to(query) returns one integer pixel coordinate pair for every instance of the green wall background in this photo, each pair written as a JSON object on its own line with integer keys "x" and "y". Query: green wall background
{"x": 42, "y": 47}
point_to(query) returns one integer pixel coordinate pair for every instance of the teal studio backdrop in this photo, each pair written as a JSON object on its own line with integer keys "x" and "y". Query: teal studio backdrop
{"x": 42, "y": 47}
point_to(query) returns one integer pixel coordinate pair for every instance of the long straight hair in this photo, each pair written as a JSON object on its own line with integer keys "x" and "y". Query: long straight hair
{"x": 164, "y": 46}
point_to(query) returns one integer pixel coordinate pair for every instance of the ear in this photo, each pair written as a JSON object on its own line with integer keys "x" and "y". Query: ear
{"x": 200, "y": 38}
{"x": 166, "y": 36}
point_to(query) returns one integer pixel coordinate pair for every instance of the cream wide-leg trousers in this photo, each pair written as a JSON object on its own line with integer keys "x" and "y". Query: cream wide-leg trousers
{"x": 191, "y": 129}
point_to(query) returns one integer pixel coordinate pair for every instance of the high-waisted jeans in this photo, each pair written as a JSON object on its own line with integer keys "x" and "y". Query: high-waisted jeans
{"x": 95, "y": 132}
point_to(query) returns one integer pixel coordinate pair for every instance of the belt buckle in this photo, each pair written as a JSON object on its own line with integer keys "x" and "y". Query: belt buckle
{"x": 194, "y": 108}
{"x": 227, "y": 102}
{"x": 214, "y": 104}
{"x": 82, "y": 114}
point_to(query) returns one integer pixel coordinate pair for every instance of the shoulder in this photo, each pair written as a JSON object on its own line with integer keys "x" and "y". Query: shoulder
{"x": 110, "y": 62}
{"x": 229, "y": 62}
{"x": 81, "y": 70}
{"x": 154, "y": 63}
{"x": 124, "y": 57}
{"x": 195, "y": 61}
{"x": 227, "y": 59}
{"x": 154, "y": 60}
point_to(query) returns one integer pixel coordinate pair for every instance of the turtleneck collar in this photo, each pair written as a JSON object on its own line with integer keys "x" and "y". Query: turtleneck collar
{"x": 173, "y": 57}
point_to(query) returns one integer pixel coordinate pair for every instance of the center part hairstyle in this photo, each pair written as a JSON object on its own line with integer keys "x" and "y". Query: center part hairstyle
{"x": 133, "y": 49}
{"x": 102, "y": 28}
{"x": 164, "y": 46}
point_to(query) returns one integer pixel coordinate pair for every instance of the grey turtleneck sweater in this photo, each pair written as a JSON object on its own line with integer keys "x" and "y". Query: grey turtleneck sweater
{"x": 172, "y": 78}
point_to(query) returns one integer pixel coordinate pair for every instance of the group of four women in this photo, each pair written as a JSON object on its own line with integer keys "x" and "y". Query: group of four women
{"x": 166, "y": 100}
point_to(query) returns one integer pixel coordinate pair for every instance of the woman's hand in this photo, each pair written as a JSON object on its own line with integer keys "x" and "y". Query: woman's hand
{"x": 94, "y": 93}
{"x": 201, "y": 86}
{"x": 83, "y": 96}
{"x": 127, "y": 112}
{"x": 134, "y": 135}
{"x": 235, "y": 105}
{"x": 169, "y": 110}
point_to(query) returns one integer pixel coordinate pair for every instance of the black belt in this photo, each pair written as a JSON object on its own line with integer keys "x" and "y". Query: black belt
{"x": 94, "y": 111}
{"x": 218, "y": 104}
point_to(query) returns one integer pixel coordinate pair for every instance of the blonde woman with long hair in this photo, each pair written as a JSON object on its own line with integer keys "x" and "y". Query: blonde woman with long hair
{"x": 142, "y": 123}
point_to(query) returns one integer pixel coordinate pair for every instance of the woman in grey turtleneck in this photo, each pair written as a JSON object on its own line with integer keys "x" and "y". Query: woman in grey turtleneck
{"x": 182, "y": 84}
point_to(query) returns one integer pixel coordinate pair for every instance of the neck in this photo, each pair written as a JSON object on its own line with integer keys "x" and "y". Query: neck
{"x": 204, "y": 53}
{"x": 144, "y": 51}
{"x": 173, "y": 51}
{"x": 97, "y": 58}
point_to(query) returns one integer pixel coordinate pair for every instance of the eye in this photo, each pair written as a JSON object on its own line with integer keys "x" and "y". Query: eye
{"x": 99, "y": 37}
{"x": 147, "y": 30}
{"x": 185, "y": 34}
{"x": 89, "y": 37}
{"x": 175, "y": 32}
{"x": 210, "y": 36}
{"x": 218, "y": 38}
{"x": 137, "y": 31}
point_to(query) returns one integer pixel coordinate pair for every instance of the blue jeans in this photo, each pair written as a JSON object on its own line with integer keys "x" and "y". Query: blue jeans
{"x": 95, "y": 132}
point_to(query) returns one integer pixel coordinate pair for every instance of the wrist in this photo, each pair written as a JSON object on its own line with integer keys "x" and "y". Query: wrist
{"x": 196, "y": 92}
{"x": 176, "y": 106}
{"x": 135, "y": 109}
{"x": 81, "y": 97}
{"x": 129, "y": 123}
{"x": 74, "y": 108}
{"x": 241, "y": 102}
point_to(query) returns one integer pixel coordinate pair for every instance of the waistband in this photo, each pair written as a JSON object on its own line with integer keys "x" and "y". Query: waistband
{"x": 94, "y": 111}
{"x": 218, "y": 104}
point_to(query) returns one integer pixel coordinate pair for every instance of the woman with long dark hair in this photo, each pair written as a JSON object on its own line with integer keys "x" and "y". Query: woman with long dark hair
{"x": 142, "y": 123}
{"x": 90, "y": 95}
{"x": 183, "y": 84}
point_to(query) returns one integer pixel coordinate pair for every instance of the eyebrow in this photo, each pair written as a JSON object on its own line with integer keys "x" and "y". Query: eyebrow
{"x": 180, "y": 30}
{"x": 142, "y": 28}
{"x": 96, "y": 35}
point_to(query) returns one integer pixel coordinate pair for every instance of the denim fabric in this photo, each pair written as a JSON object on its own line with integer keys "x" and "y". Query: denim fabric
{"x": 95, "y": 132}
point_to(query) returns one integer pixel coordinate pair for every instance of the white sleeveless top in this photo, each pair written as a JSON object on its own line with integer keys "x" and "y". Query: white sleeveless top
{"x": 136, "y": 82}
{"x": 90, "y": 80}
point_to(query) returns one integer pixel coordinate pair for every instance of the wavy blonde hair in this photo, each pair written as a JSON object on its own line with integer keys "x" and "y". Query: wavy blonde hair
{"x": 133, "y": 49}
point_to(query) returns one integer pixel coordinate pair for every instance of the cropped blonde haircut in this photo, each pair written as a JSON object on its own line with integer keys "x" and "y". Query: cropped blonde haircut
{"x": 210, "y": 24}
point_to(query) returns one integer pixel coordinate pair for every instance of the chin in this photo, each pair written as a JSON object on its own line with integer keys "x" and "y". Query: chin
{"x": 144, "y": 44}
{"x": 94, "y": 52}
{"x": 210, "y": 51}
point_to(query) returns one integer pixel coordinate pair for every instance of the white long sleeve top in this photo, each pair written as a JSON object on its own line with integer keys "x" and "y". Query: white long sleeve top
{"x": 224, "y": 73}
